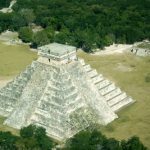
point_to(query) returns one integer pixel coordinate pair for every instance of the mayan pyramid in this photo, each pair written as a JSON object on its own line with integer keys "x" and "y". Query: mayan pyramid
{"x": 61, "y": 93}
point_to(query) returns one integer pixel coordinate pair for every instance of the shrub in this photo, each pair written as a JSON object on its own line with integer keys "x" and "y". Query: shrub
{"x": 147, "y": 78}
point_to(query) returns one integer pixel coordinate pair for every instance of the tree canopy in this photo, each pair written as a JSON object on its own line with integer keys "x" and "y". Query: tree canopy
{"x": 35, "y": 138}
{"x": 87, "y": 24}
{"x": 31, "y": 138}
{"x": 4, "y": 3}
{"x": 94, "y": 140}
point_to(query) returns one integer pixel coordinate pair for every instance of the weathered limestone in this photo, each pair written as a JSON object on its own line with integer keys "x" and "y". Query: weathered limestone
{"x": 62, "y": 94}
{"x": 141, "y": 48}
{"x": 10, "y": 94}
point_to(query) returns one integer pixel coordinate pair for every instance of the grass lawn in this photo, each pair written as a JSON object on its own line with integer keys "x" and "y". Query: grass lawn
{"x": 128, "y": 72}
{"x": 14, "y": 58}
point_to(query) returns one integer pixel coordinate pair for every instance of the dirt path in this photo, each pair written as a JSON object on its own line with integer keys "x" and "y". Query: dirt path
{"x": 9, "y": 9}
{"x": 114, "y": 49}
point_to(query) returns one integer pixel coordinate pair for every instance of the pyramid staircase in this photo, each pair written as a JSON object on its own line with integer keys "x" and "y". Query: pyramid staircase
{"x": 58, "y": 107}
{"x": 113, "y": 95}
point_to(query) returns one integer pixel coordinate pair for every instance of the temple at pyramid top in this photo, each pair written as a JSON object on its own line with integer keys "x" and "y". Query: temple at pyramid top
{"x": 58, "y": 52}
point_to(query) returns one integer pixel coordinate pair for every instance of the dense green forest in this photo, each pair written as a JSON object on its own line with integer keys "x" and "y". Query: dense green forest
{"x": 87, "y": 24}
{"x": 35, "y": 138}
{"x": 4, "y": 3}
{"x": 31, "y": 138}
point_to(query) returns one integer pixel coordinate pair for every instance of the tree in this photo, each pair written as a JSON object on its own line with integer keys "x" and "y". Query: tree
{"x": 7, "y": 141}
{"x": 4, "y": 3}
{"x": 62, "y": 36}
{"x": 27, "y": 15}
{"x": 94, "y": 140}
{"x": 80, "y": 141}
{"x": 5, "y": 21}
{"x": 44, "y": 142}
{"x": 127, "y": 21}
{"x": 133, "y": 144}
{"x": 33, "y": 137}
{"x": 40, "y": 38}
{"x": 86, "y": 140}
{"x": 112, "y": 144}
{"x": 28, "y": 131}
{"x": 50, "y": 33}
{"x": 25, "y": 33}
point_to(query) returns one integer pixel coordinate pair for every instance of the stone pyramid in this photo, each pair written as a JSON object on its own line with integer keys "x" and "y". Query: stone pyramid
{"x": 61, "y": 93}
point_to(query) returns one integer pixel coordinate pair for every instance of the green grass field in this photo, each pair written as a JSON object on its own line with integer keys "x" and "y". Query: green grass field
{"x": 128, "y": 72}
{"x": 14, "y": 58}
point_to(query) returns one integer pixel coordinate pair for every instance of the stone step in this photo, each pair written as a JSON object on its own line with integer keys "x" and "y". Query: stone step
{"x": 114, "y": 100}
{"x": 51, "y": 110}
{"x": 87, "y": 68}
{"x": 53, "y": 129}
{"x": 101, "y": 79}
{"x": 42, "y": 113}
{"x": 95, "y": 76}
{"x": 121, "y": 104}
{"x": 55, "y": 134}
{"x": 53, "y": 116}
{"x": 6, "y": 97}
{"x": 107, "y": 89}
{"x": 113, "y": 93}
{"x": 97, "y": 79}
{"x": 60, "y": 80}
{"x": 92, "y": 73}
{"x": 76, "y": 100}
{"x": 50, "y": 104}
{"x": 11, "y": 94}
{"x": 14, "y": 88}
{"x": 46, "y": 118}
{"x": 4, "y": 113}
{"x": 102, "y": 84}
{"x": 74, "y": 107}
{"x": 82, "y": 61}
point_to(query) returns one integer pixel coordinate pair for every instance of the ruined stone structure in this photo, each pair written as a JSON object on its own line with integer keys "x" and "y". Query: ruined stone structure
{"x": 61, "y": 93}
{"x": 141, "y": 48}
{"x": 140, "y": 51}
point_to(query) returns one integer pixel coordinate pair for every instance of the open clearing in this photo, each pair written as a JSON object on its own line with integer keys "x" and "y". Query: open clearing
{"x": 128, "y": 72}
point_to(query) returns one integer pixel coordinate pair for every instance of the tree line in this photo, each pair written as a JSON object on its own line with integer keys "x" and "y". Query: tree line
{"x": 35, "y": 138}
{"x": 4, "y": 3}
{"x": 86, "y": 24}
